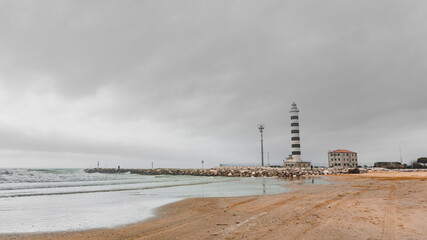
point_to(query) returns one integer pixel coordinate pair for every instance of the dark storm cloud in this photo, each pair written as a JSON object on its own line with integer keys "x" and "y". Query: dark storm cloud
{"x": 181, "y": 81}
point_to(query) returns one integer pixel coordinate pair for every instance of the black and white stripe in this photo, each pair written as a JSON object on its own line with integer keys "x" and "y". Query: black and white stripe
{"x": 295, "y": 138}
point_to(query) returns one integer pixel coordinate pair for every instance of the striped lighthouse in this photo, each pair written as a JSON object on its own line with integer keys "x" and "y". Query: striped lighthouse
{"x": 295, "y": 139}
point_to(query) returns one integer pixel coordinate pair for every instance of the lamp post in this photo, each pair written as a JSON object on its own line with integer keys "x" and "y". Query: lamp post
{"x": 261, "y": 129}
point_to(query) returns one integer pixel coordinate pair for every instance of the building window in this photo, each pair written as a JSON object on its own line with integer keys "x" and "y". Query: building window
{"x": 294, "y": 117}
{"x": 295, "y": 145}
{"x": 294, "y": 131}
{"x": 294, "y": 124}
{"x": 295, "y": 138}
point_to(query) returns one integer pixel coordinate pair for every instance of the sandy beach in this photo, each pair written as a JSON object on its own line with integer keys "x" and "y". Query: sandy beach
{"x": 379, "y": 205}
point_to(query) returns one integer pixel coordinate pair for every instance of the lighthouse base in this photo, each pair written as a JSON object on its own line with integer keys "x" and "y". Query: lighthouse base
{"x": 291, "y": 162}
{"x": 297, "y": 164}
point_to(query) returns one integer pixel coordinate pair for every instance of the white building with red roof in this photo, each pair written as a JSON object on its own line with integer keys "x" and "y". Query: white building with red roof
{"x": 342, "y": 158}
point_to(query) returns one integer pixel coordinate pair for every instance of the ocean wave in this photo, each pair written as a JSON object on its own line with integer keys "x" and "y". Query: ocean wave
{"x": 23, "y": 194}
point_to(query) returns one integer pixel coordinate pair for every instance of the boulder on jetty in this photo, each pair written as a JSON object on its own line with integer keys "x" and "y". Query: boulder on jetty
{"x": 229, "y": 171}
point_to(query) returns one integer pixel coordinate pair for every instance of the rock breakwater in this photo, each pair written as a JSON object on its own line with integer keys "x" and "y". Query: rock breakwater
{"x": 228, "y": 171}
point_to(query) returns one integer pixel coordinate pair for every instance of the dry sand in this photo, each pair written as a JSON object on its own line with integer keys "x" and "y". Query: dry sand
{"x": 364, "y": 206}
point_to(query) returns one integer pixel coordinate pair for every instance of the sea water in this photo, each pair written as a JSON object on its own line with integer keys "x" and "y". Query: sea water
{"x": 47, "y": 200}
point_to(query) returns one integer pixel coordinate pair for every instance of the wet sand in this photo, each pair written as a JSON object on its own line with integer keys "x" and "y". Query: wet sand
{"x": 380, "y": 205}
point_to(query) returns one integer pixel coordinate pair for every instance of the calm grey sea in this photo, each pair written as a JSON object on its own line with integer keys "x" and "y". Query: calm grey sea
{"x": 46, "y": 200}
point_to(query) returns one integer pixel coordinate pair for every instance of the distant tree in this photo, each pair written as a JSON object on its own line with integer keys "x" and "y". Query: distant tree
{"x": 415, "y": 164}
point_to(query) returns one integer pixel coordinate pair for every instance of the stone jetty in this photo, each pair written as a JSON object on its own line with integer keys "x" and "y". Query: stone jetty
{"x": 229, "y": 171}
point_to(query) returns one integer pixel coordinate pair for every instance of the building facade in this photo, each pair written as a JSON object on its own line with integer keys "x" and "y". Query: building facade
{"x": 294, "y": 160}
{"x": 342, "y": 158}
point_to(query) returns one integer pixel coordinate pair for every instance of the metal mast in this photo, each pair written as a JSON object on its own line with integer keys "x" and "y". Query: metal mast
{"x": 261, "y": 128}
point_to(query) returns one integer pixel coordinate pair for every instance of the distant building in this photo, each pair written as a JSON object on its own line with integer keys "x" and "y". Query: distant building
{"x": 422, "y": 160}
{"x": 342, "y": 158}
{"x": 294, "y": 160}
{"x": 388, "y": 164}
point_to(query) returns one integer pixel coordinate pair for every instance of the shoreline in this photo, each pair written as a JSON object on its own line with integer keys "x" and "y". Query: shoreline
{"x": 373, "y": 205}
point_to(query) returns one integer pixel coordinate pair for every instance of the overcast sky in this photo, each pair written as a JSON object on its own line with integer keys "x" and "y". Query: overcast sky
{"x": 177, "y": 82}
